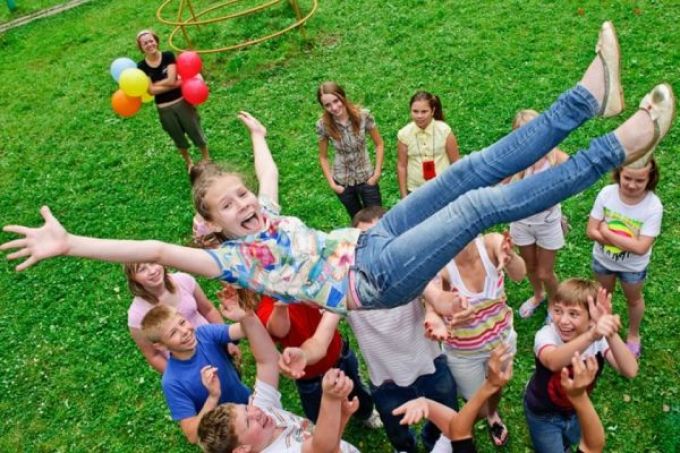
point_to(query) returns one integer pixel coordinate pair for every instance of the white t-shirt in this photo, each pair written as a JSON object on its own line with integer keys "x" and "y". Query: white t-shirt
{"x": 641, "y": 219}
{"x": 295, "y": 429}
{"x": 393, "y": 343}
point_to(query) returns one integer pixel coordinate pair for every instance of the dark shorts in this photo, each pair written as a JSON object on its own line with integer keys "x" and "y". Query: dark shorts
{"x": 625, "y": 277}
{"x": 182, "y": 119}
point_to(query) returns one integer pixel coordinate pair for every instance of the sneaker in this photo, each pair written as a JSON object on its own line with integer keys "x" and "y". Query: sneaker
{"x": 373, "y": 421}
{"x": 635, "y": 347}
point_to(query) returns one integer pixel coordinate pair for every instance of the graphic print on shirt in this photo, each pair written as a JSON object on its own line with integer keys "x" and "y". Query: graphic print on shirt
{"x": 623, "y": 226}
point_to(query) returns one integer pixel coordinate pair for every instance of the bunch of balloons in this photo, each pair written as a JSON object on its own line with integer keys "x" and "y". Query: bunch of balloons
{"x": 194, "y": 89}
{"x": 134, "y": 84}
{"x": 133, "y": 87}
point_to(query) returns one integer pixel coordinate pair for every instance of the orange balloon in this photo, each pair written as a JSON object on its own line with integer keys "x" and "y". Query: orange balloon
{"x": 125, "y": 105}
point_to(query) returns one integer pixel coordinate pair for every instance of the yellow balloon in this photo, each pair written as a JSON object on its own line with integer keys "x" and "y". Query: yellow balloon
{"x": 146, "y": 97}
{"x": 133, "y": 82}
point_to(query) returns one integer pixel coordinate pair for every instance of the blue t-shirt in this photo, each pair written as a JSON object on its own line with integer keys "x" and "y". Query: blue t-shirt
{"x": 182, "y": 386}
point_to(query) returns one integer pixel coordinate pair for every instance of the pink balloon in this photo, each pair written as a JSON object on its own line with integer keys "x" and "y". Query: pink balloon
{"x": 195, "y": 91}
{"x": 188, "y": 64}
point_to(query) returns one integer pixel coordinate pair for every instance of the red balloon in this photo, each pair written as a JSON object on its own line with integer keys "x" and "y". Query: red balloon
{"x": 188, "y": 64}
{"x": 125, "y": 105}
{"x": 195, "y": 91}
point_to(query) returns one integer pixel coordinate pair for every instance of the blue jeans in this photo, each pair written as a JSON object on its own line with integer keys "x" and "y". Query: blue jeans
{"x": 552, "y": 433}
{"x": 415, "y": 239}
{"x": 310, "y": 389}
{"x": 438, "y": 386}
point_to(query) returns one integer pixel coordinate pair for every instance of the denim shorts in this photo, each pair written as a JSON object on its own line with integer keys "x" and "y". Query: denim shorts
{"x": 625, "y": 277}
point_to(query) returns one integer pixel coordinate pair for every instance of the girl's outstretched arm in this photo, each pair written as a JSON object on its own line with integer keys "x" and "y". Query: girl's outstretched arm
{"x": 265, "y": 167}
{"x": 52, "y": 239}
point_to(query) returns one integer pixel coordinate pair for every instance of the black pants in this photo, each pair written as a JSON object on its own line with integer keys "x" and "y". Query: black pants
{"x": 363, "y": 195}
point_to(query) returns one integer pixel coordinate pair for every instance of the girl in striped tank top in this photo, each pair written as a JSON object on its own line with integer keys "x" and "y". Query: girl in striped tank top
{"x": 477, "y": 274}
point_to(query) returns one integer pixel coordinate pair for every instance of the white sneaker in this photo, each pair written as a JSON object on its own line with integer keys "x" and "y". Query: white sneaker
{"x": 373, "y": 421}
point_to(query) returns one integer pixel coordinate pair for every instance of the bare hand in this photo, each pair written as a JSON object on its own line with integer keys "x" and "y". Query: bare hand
{"x": 499, "y": 368}
{"x": 584, "y": 374}
{"x": 292, "y": 362}
{"x": 211, "y": 381}
{"x": 607, "y": 326}
{"x": 349, "y": 407}
{"x": 463, "y": 314}
{"x": 337, "y": 188}
{"x": 252, "y": 123}
{"x": 235, "y": 353}
{"x": 336, "y": 385}
{"x": 38, "y": 244}
{"x": 413, "y": 411}
{"x": 504, "y": 251}
{"x": 229, "y": 304}
{"x": 601, "y": 306}
{"x": 373, "y": 180}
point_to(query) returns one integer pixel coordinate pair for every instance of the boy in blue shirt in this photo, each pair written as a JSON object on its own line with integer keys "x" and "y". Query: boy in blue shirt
{"x": 199, "y": 375}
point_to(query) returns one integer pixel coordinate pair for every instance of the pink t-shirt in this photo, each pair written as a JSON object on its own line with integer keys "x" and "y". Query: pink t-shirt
{"x": 185, "y": 284}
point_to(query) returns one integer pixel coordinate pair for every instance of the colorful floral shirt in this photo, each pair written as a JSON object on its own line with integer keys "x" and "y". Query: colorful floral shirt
{"x": 290, "y": 262}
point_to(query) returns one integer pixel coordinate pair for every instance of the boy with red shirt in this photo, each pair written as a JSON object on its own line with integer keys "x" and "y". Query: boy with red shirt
{"x": 290, "y": 325}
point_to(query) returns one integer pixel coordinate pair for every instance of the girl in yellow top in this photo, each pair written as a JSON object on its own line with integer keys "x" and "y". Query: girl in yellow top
{"x": 426, "y": 145}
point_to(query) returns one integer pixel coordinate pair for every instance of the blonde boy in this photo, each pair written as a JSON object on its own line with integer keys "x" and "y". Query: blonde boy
{"x": 582, "y": 322}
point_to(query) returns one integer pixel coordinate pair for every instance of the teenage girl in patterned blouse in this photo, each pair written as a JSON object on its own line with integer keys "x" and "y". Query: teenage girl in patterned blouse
{"x": 346, "y": 126}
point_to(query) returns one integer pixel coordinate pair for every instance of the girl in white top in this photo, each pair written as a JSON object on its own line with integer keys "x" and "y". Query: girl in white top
{"x": 541, "y": 235}
{"x": 426, "y": 144}
{"x": 624, "y": 222}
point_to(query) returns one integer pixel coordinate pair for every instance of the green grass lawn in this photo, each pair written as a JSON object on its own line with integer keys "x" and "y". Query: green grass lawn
{"x": 71, "y": 378}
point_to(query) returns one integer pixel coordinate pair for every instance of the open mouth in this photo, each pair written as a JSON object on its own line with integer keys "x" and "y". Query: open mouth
{"x": 251, "y": 222}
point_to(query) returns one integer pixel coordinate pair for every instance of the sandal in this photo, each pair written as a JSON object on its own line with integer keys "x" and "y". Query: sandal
{"x": 499, "y": 433}
{"x": 526, "y": 310}
{"x": 635, "y": 347}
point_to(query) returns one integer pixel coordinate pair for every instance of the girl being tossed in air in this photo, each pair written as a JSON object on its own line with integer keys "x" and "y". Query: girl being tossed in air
{"x": 391, "y": 263}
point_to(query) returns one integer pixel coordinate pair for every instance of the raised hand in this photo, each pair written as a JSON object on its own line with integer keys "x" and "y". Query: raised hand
{"x": 504, "y": 251}
{"x": 229, "y": 304}
{"x": 336, "y": 385}
{"x": 349, "y": 407}
{"x": 252, "y": 123}
{"x": 292, "y": 362}
{"x": 413, "y": 411}
{"x": 499, "y": 368}
{"x": 601, "y": 305}
{"x": 38, "y": 244}
{"x": 584, "y": 374}
{"x": 607, "y": 326}
{"x": 211, "y": 380}
{"x": 463, "y": 313}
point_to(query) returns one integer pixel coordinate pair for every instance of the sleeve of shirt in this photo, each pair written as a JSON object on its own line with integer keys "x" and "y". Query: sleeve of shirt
{"x": 266, "y": 396}
{"x": 186, "y": 281}
{"x": 269, "y": 206}
{"x": 321, "y": 130}
{"x": 135, "y": 316}
{"x": 214, "y": 333}
{"x": 180, "y": 404}
{"x": 545, "y": 337}
{"x": 652, "y": 224}
{"x": 369, "y": 121}
{"x": 170, "y": 57}
{"x": 402, "y": 135}
{"x": 598, "y": 207}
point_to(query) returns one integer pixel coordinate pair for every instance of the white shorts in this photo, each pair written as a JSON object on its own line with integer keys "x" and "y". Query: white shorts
{"x": 469, "y": 371}
{"x": 547, "y": 235}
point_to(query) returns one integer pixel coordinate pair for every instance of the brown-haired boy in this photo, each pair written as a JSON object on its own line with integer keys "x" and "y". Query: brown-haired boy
{"x": 263, "y": 425}
{"x": 582, "y": 322}
{"x": 199, "y": 374}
